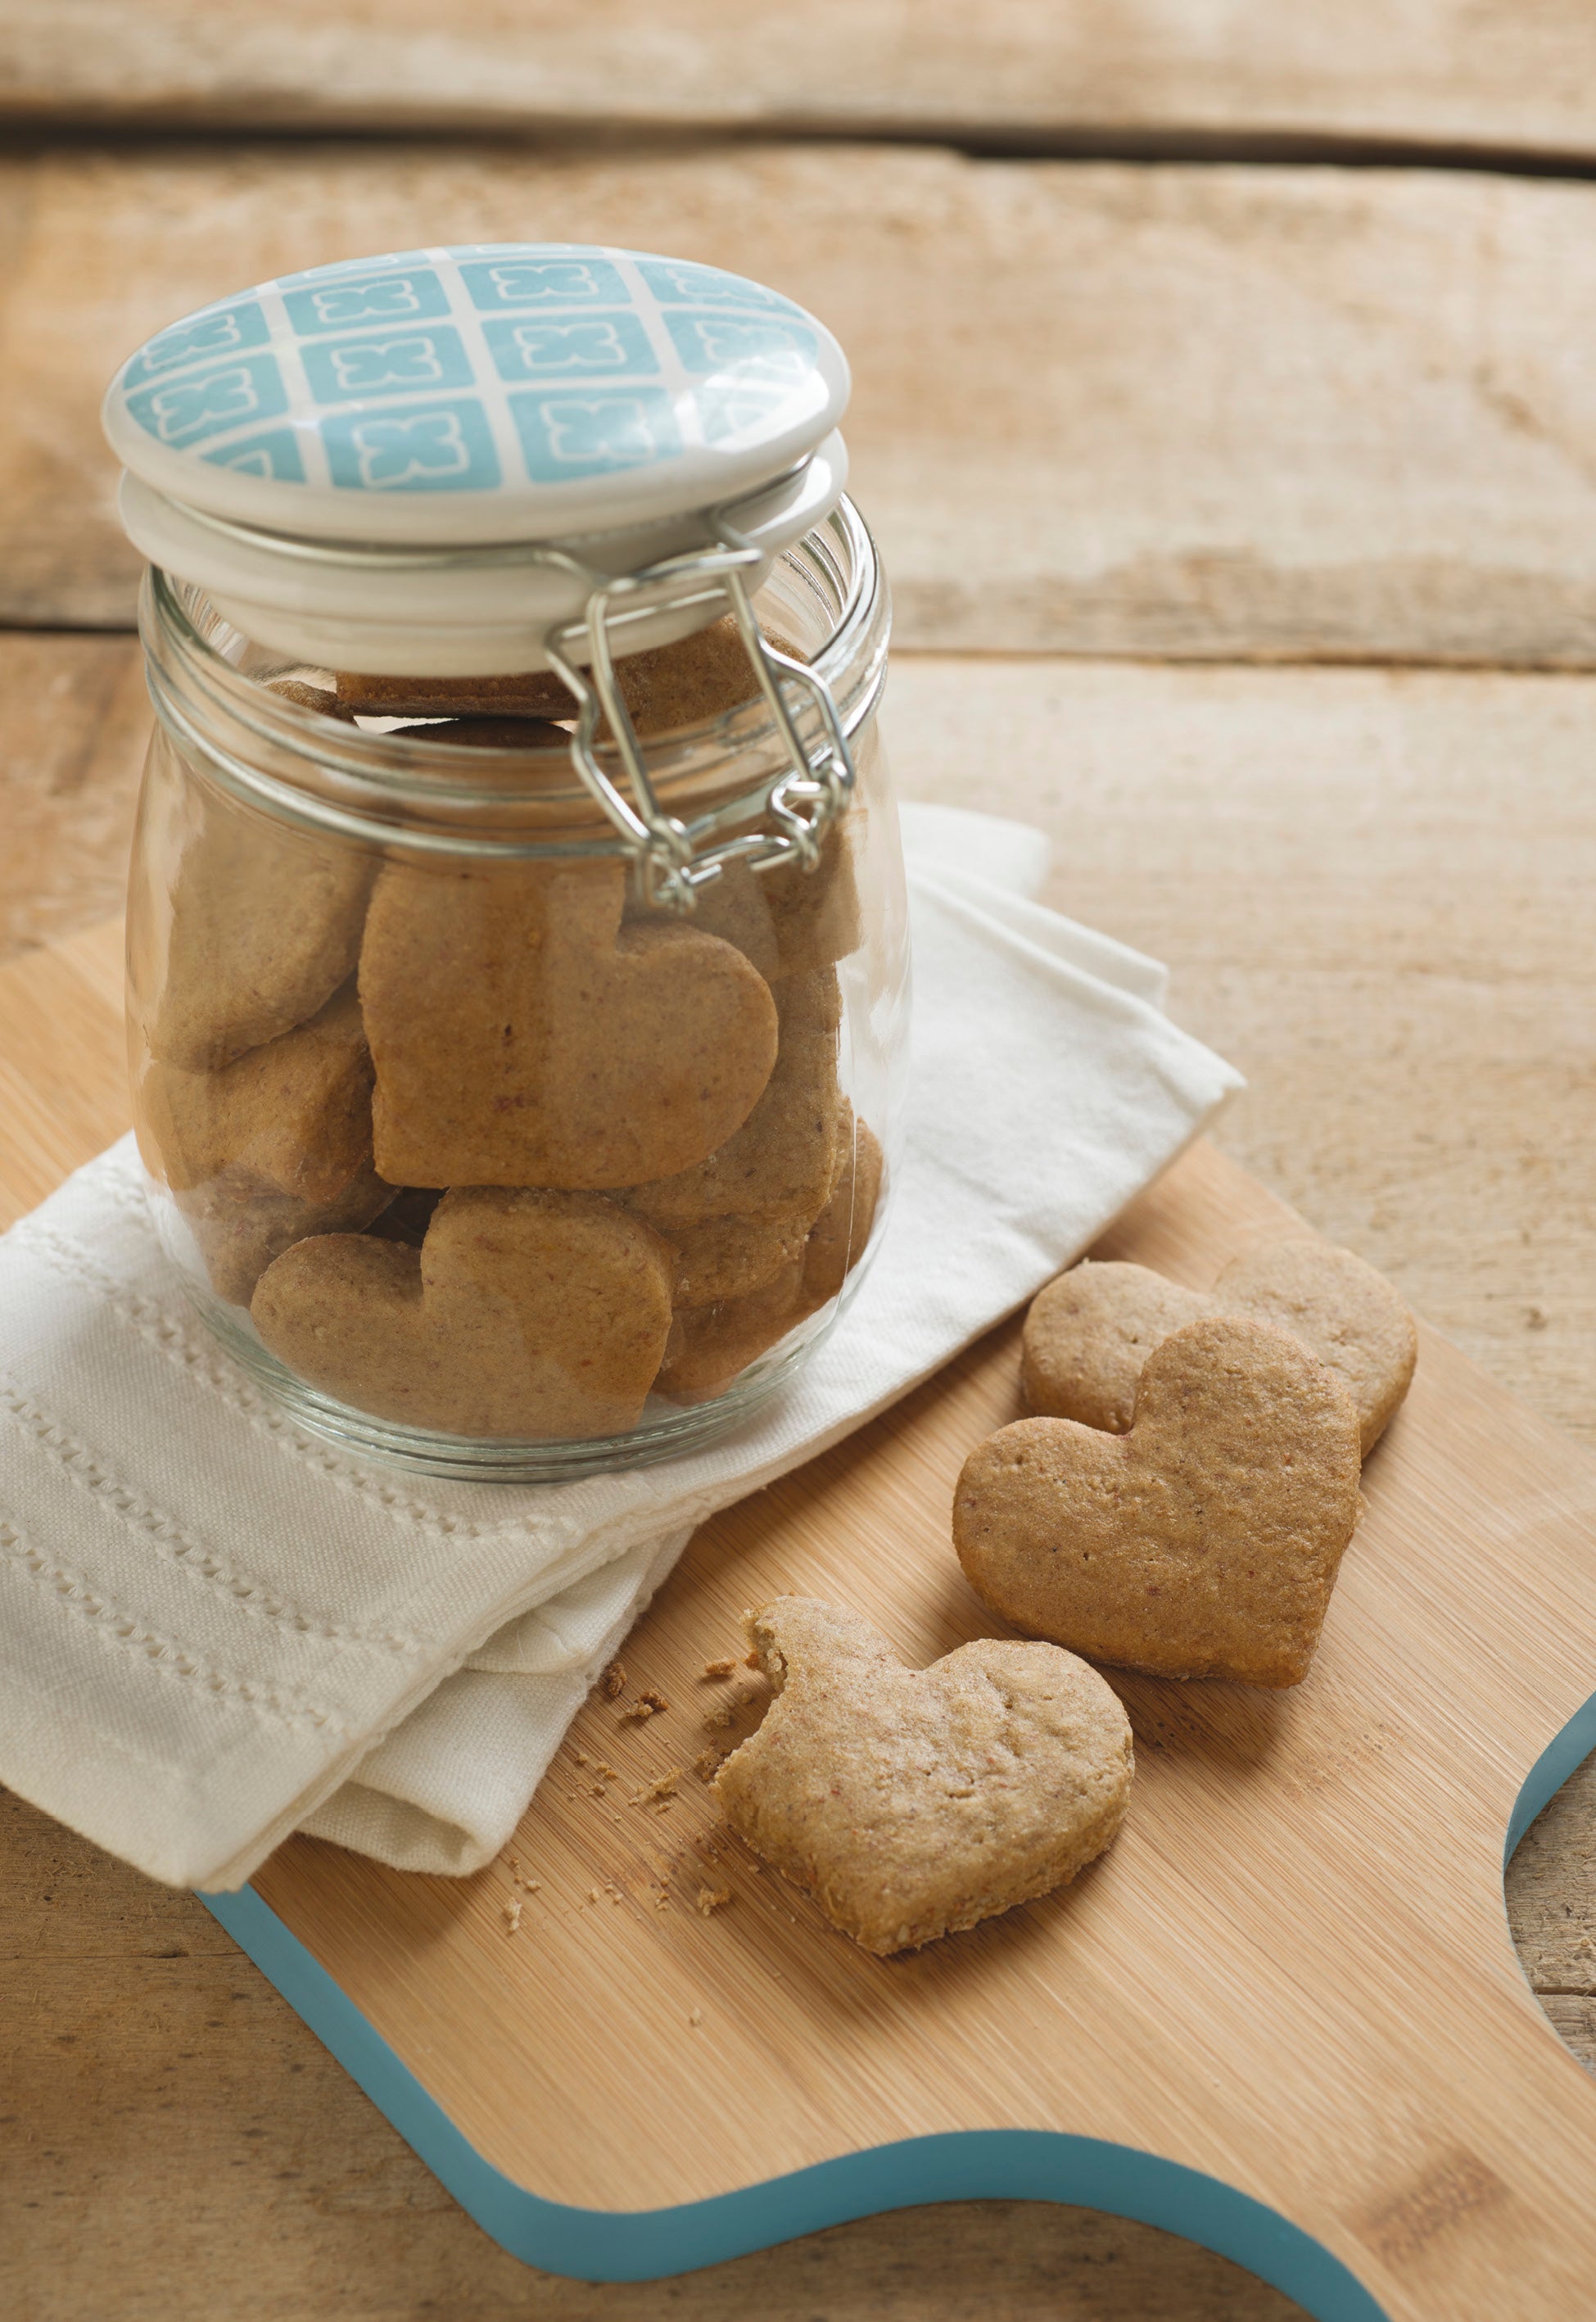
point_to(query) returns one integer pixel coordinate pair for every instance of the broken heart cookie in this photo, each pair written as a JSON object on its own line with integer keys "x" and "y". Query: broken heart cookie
{"x": 240, "y": 1223}
{"x": 911, "y": 1803}
{"x": 1204, "y": 1542}
{"x": 1088, "y": 1333}
{"x": 522, "y": 1036}
{"x": 295, "y": 1113}
{"x": 261, "y": 927}
{"x": 523, "y": 1315}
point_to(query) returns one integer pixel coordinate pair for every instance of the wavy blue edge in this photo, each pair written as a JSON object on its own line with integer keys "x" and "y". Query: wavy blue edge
{"x": 969, "y": 2164}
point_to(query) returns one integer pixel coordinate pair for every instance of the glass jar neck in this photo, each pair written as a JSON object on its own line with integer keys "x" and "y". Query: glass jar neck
{"x": 212, "y": 688}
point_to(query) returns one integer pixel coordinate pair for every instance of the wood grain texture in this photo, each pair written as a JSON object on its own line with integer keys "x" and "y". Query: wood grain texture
{"x": 1430, "y": 72}
{"x": 1261, "y": 413}
{"x": 76, "y": 723}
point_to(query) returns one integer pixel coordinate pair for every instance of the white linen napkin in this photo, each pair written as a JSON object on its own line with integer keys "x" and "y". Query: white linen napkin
{"x": 214, "y": 1630}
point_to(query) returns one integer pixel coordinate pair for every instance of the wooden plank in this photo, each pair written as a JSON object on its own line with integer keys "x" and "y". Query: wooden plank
{"x": 1148, "y": 73}
{"x": 1196, "y": 413}
{"x": 76, "y": 719}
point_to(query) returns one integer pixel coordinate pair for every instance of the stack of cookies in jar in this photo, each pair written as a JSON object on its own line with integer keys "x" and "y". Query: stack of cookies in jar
{"x": 494, "y": 1148}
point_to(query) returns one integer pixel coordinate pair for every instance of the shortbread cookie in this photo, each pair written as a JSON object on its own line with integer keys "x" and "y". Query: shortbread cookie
{"x": 710, "y": 1346}
{"x": 912, "y": 1802}
{"x": 310, "y": 697}
{"x": 490, "y": 734}
{"x": 734, "y": 908}
{"x": 1090, "y": 1331}
{"x": 1205, "y": 1543}
{"x": 838, "y": 1236}
{"x": 240, "y": 1223}
{"x": 295, "y": 1113}
{"x": 728, "y": 1257}
{"x": 780, "y": 1165}
{"x": 665, "y": 687}
{"x": 817, "y": 912}
{"x": 265, "y": 925}
{"x": 523, "y": 1037}
{"x": 523, "y": 1315}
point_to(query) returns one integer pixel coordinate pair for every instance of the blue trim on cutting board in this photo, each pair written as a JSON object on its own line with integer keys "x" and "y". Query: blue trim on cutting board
{"x": 642, "y": 2244}
{"x": 967, "y": 2164}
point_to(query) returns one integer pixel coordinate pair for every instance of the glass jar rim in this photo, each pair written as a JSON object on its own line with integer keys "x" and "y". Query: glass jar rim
{"x": 360, "y": 783}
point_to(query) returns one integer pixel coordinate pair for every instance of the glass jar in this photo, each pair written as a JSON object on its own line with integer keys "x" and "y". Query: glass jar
{"x": 470, "y": 1144}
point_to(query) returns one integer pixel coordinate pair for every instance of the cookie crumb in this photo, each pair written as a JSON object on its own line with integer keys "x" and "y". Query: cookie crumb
{"x": 647, "y": 1705}
{"x": 696, "y": 2015}
{"x": 656, "y": 1793}
{"x": 613, "y": 1683}
{"x": 752, "y": 1661}
{"x": 720, "y": 1717}
{"x": 719, "y": 1668}
{"x": 592, "y": 1894}
{"x": 581, "y": 1757}
{"x": 512, "y": 1916}
{"x": 708, "y": 1764}
{"x": 713, "y": 1898}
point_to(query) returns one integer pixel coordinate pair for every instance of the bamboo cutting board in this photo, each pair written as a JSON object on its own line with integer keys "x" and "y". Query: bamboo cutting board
{"x": 1214, "y": 2029}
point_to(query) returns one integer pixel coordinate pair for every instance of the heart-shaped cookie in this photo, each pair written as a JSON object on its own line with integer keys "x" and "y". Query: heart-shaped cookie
{"x": 523, "y": 1037}
{"x": 911, "y": 1803}
{"x": 529, "y": 1315}
{"x": 240, "y": 1223}
{"x": 1205, "y": 1543}
{"x": 295, "y": 1113}
{"x": 1088, "y": 1333}
{"x": 779, "y": 1166}
{"x": 711, "y": 1342}
{"x": 253, "y": 929}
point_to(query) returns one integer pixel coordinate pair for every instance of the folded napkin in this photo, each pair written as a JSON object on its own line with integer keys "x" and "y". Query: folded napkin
{"x": 216, "y": 1629}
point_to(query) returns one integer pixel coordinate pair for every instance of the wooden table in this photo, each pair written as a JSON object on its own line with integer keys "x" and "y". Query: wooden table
{"x": 1241, "y": 514}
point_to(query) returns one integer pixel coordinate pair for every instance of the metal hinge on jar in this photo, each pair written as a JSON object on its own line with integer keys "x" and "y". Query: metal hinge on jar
{"x": 804, "y": 803}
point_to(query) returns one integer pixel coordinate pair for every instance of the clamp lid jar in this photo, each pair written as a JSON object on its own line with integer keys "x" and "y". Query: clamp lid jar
{"x": 516, "y": 1010}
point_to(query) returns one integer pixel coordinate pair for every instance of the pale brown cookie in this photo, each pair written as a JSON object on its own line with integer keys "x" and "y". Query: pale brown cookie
{"x": 817, "y": 913}
{"x": 523, "y": 1315}
{"x": 239, "y": 1222}
{"x": 781, "y": 1164}
{"x": 727, "y": 1257}
{"x": 295, "y": 1113}
{"x": 523, "y": 1037}
{"x": 912, "y": 1802}
{"x": 264, "y": 925}
{"x": 665, "y": 687}
{"x": 526, "y": 734}
{"x": 734, "y": 908}
{"x": 838, "y": 1236}
{"x": 309, "y": 697}
{"x": 710, "y": 1345}
{"x": 1090, "y": 1331}
{"x": 1203, "y": 1543}
{"x": 524, "y": 693}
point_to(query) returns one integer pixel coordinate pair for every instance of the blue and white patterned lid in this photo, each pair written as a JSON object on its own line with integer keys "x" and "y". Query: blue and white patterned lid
{"x": 489, "y": 392}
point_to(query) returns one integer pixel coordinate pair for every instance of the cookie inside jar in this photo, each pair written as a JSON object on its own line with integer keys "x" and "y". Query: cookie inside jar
{"x": 487, "y": 1143}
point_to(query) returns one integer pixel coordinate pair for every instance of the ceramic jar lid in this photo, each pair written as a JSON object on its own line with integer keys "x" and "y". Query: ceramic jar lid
{"x": 450, "y": 400}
